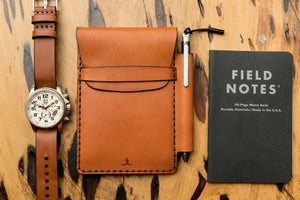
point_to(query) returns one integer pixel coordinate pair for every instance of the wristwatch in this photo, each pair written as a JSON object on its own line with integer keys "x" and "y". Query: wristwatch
{"x": 46, "y": 107}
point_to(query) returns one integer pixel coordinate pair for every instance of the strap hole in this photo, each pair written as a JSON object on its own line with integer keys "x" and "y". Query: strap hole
{"x": 47, "y": 12}
{"x": 47, "y": 181}
{"x": 46, "y": 173}
{"x": 51, "y": 26}
{"x": 42, "y": 26}
{"x": 46, "y": 188}
{"x": 42, "y": 12}
{"x": 46, "y": 26}
{"x": 46, "y": 166}
{"x": 46, "y": 158}
{"x": 52, "y": 11}
{"x": 36, "y": 26}
{"x": 47, "y": 195}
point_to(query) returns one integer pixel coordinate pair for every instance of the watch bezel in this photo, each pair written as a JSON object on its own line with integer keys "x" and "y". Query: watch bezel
{"x": 33, "y": 92}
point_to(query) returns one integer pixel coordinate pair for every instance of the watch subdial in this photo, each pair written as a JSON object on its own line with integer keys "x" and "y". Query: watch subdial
{"x": 51, "y": 111}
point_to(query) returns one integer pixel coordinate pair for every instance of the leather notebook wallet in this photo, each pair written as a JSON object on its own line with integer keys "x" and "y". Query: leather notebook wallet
{"x": 134, "y": 114}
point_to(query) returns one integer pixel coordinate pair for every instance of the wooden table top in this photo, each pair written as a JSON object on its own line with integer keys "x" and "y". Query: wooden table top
{"x": 249, "y": 25}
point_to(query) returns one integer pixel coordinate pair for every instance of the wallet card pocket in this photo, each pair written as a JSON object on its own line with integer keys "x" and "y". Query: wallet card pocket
{"x": 126, "y": 117}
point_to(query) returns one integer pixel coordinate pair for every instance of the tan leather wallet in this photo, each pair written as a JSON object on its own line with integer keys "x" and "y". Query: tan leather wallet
{"x": 134, "y": 114}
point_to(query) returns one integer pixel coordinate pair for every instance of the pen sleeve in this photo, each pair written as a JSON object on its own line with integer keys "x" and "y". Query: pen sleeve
{"x": 184, "y": 112}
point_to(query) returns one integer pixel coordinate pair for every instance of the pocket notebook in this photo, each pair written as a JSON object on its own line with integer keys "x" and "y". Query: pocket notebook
{"x": 134, "y": 115}
{"x": 250, "y": 117}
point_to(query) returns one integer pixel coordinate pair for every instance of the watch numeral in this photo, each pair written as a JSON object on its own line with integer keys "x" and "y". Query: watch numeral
{"x": 35, "y": 114}
{"x": 58, "y": 107}
{"x": 45, "y": 96}
{"x": 46, "y": 120}
{"x": 52, "y": 118}
{"x": 33, "y": 102}
{"x": 33, "y": 108}
{"x": 54, "y": 113}
{"x": 39, "y": 97}
{"x": 56, "y": 101}
{"x": 40, "y": 119}
{"x": 51, "y": 97}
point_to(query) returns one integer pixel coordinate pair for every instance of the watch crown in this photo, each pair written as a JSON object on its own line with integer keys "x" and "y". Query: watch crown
{"x": 68, "y": 111}
{"x": 68, "y": 106}
{"x": 66, "y": 96}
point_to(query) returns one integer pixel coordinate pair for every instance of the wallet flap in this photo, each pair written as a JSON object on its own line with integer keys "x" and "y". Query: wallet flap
{"x": 126, "y": 46}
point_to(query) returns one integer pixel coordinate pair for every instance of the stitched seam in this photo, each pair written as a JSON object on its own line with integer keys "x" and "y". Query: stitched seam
{"x": 174, "y": 130}
{"x": 79, "y": 117}
{"x": 115, "y": 171}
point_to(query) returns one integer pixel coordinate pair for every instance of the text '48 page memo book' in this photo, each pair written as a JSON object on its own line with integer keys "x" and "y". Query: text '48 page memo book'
{"x": 250, "y": 117}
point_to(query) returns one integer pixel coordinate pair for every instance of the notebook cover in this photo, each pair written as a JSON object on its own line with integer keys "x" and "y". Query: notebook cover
{"x": 250, "y": 117}
{"x": 132, "y": 110}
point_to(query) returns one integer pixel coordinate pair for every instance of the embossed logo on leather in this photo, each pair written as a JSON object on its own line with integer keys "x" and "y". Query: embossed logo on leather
{"x": 127, "y": 162}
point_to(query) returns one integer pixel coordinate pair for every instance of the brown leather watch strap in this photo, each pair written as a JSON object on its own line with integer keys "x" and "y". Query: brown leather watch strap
{"x": 44, "y": 35}
{"x": 46, "y": 164}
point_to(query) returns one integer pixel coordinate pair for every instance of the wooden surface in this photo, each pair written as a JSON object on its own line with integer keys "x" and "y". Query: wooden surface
{"x": 249, "y": 25}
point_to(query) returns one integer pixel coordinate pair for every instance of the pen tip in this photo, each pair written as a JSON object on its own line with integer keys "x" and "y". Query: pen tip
{"x": 185, "y": 156}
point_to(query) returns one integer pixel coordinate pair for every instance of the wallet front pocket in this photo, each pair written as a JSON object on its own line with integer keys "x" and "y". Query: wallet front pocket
{"x": 126, "y": 119}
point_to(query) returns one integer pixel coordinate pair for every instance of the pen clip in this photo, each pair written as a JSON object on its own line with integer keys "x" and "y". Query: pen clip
{"x": 186, "y": 51}
{"x": 186, "y": 48}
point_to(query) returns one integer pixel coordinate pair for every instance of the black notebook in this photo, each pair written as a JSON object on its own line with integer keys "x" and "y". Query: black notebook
{"x": 250, "y": 117}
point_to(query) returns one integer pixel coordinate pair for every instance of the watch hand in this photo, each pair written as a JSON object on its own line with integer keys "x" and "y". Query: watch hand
{"x": 49, "y": 105}
{"x": 38, "y": 105}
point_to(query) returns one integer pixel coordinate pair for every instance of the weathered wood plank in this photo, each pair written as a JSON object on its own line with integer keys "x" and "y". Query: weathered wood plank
{"x": 249, "y": 25}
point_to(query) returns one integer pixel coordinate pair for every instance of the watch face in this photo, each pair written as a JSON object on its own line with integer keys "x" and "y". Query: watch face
{"x": 45, "y": 108}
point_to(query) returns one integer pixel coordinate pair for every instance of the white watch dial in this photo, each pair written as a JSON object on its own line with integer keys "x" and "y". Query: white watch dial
{"x": 45, "y": 108}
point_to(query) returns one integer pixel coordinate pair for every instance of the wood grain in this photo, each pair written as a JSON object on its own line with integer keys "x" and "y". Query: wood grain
{"x": 200, "y": 89}
{"x": 155, "y": 188}
{"x": 28, "y": 66}
{"x": 121, "y": 193}
{"x": 249, "y": 25}
{"x": 199, "y": 188}
{"x": 3, "y": 194}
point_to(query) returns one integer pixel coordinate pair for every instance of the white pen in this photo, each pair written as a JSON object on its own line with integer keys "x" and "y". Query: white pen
{"x": 186, "y": 51}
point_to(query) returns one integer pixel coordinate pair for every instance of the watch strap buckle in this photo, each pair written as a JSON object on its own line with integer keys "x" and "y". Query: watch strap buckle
{"x": 45, "y": 4}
